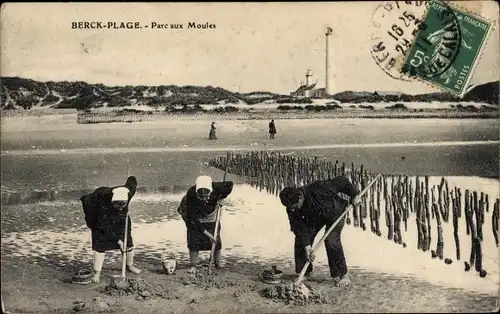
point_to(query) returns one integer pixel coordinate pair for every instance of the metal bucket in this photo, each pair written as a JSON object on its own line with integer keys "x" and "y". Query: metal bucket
{"x": 169, "y": 263}
{"x": 272, "y": 276}
{"x": 82, "y": 277}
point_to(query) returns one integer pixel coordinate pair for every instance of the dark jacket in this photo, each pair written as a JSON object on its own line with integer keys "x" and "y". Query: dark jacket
{"x": 107, "y": 223}
{"x": 97, "y": 202}
{"x": 272, "y": 128}
{"x": 321, "y": 205}
{"x": 192, "y": 209}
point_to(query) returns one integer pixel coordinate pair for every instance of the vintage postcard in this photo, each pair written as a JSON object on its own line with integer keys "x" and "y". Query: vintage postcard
{"x": 250, "y": 157}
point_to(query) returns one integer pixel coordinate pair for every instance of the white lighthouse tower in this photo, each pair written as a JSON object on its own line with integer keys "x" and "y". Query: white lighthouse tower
{"x": 328, "y": 62}
{"x": 307, "y": 91}
{"x": 308, "y": 77}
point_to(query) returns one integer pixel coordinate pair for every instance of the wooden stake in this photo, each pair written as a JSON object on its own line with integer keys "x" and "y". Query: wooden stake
{"x": 470, "y": 223}
{"x": 466, "y": 210}
{"x": 440, "y": 242}
{"x": 477, "y": 212}
{"x": 455, "y": 229}
{"x": 495, "y": 220}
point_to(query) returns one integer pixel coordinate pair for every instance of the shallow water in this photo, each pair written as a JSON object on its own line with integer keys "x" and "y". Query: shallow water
{"x": 83, "y": 171}
{"x": 254, "y": 228}
{"x": 33, "y": 196}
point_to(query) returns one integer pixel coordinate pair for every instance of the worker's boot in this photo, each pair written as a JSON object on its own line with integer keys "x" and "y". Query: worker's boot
{"x": 130, "y": 262}
{"x": 97, "y": 267}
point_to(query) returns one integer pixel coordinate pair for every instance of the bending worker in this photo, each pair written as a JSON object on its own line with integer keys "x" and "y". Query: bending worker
{"x": 312, "y": 207}
{"x": 198, "y": 210}
{"x": 105, "y": 212}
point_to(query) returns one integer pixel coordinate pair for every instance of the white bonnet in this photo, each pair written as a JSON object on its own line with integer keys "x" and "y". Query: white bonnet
{"x": 120, "y": 194}
{"x": 204, "y": 182}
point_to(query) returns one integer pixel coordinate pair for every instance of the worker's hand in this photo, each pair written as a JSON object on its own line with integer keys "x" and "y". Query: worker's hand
{"x": 222, "y": 202}
{"x": 356, "y": 200}
{"x": 309, "y": 254}
{"x": 209, "y": 235}
{"x": 120, "y": 244}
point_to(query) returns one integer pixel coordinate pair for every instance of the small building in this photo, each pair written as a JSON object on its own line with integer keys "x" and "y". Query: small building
{"x": 320, "y": 93}
{"x": 304, "y": 91}
{"x": 309, "y": 89}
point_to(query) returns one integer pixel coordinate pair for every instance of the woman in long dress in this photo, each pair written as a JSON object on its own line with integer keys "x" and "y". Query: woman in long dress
{"x": 212, "y": 135}
{"x": 105, "y": 212}
{"x": 198, "y": 210}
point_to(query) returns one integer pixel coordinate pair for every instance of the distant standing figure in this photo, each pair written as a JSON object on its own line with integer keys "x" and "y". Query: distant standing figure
{"x": 212, "y": 135}
{"x": 272, "y": 129}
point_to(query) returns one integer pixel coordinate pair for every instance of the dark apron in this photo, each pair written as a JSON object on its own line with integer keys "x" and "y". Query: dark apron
{"x": 197, "y": 241}
{"x": 105, "y": 237}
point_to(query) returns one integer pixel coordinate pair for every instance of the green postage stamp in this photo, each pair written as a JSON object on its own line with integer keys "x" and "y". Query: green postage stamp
{"x": 447, "y": 47}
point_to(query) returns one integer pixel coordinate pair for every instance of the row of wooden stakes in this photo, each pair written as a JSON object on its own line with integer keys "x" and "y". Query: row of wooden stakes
{"x": 399, "y": 196}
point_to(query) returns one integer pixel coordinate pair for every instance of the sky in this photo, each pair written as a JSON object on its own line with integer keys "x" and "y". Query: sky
{"x": 254, "y": 47}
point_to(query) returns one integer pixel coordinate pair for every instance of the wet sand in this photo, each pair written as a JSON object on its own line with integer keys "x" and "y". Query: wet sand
{"x": 19, "y": 134}
{"x": 55, "y": 238}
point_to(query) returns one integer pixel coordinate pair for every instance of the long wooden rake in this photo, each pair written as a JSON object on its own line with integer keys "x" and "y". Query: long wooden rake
{"x": 217, "y": 223}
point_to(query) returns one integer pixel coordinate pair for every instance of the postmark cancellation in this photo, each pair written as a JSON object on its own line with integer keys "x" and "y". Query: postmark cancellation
{"x": 394, "y": 26}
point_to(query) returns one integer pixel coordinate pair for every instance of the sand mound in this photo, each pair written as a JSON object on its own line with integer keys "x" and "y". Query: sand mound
{"x": 140, "y": 288}
{"x": 96, "y": 305}
{"x": 293, "y": 294}
{"x": 237, "y": 293}
{"x": 208, "y": 281}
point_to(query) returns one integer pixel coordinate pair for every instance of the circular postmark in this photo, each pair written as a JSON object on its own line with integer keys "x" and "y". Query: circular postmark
{"x": 437, "y": 45}
{"x": 395, "y": 24}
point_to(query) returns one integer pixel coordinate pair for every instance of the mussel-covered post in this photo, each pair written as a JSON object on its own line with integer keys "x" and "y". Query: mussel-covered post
{"x": 389, "y": 222}
{"x": 475, "y": 254}
{"x": 477, "y": 212}
{"x": 363, "y": 211}
{"x": 379, "y": 191}
{"x": 466, "y": 209}
{"x": 418, "y": 215}
{"x": 495, "y": 220}
{"x": 396, "y": 205}
{"x": 438, "y": 215}
{"x": 427, "y": 228}
{"x": 405, "y": 201}
{"x": 456, "y": 211}
{"x": 446, "y": 198}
